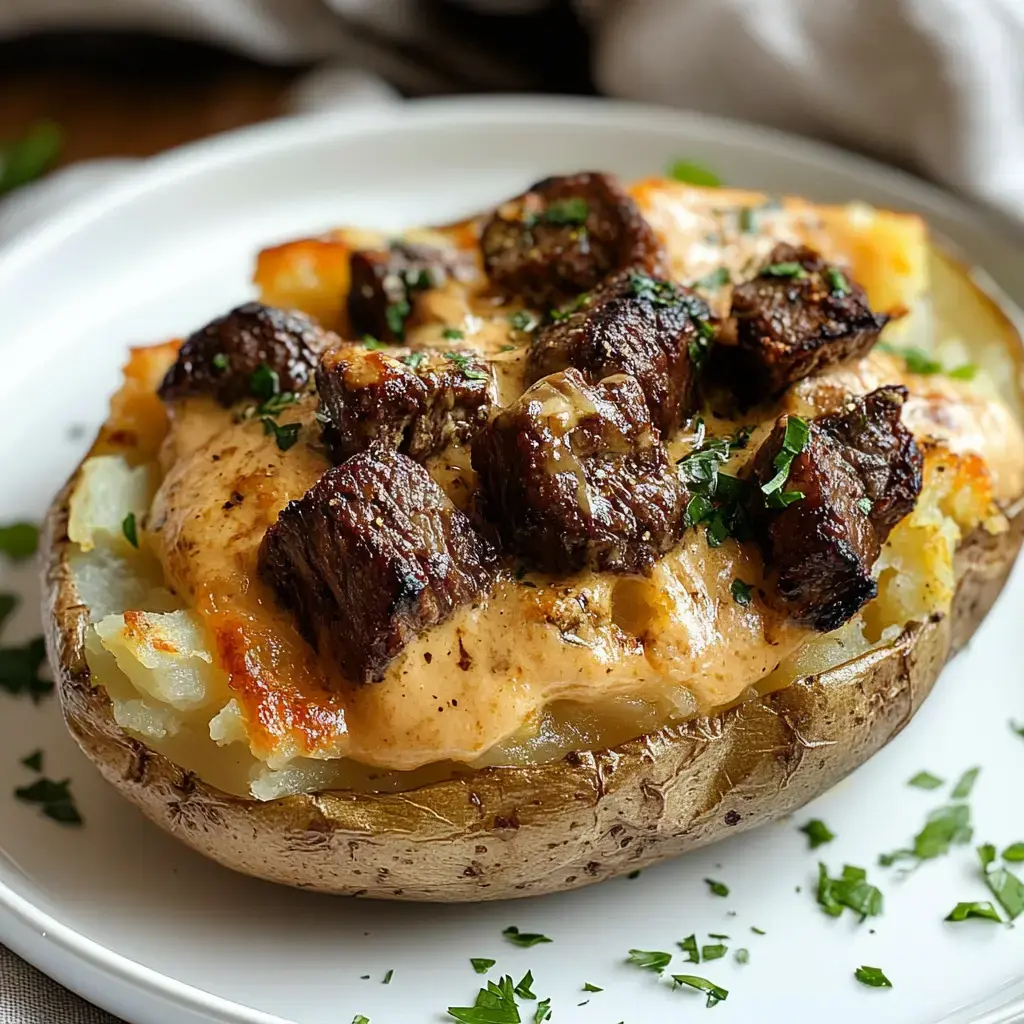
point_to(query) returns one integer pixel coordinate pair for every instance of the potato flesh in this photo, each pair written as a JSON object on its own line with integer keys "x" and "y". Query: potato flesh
{"x": 701, "y": 650}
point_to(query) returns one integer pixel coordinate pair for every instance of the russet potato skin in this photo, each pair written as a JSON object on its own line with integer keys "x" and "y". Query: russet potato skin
{"x": 501, "y": 833}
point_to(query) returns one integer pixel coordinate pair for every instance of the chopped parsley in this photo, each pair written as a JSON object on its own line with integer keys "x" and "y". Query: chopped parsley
{"x": 587, "y": 987}
{"x": 264, "y": 382}
{"x": 481, "y": 964}
{"x": 34, "y": 761}
{"x": 689, "y": 947}
{"x": 872, "y": 977}
{"x": 573, "y": 210}
{"x": 414, "y": 360}
{"x": 372, "y": 343}
{"x": 495, "y": 1004}
{"x": 360, "y": 1019}
{"x": 794, "y": 441}
{"x": 395, "y": 315}
{"x": 221, "y": 361}
{"x": 920, "y": 362}
{"x": 742, "y": 956}
{"x": 130, "y": 529}
{"x": 715, "y": 935}
{"x": 713, "y": 952}
{"x": 452, "y": 334}
{"x": 717, "y": 888}
{"x": 285, "y": 435}
{"x": 464, "y": 363}
{"x": 757, "y": 931}
{"x": 634, "y": 874}
{"x": 943, "y": 828}
{"x": 865, "y": 505}
{"x": 979, "y": 908}
{"x": 741, "y": 592}
{"x": 566, "y": 311}
{"x": 962, "y": 790}
{"x": 523, "y": 988}
{"x": 523, "y": 939}
{"x": 388, "y": 975}
{"x": 1014, "y": 852}
{"x": 787, "y": 269}
{"x": 987, "y": 855}
{"x": 817, "y": 832}
{"x": 837, "y": 281}
{"x": 1004, "y": 885}
{"x": 717, "y": 278}
{"x": 691, "y": 173}
{"x": 18, "y": 541}
{"x": 54, "y": 798}
{"x": 522, "y": 320}
{"x": 851, "y": 890}
{"x": 19, "y": 670}
{"x": 715, "y": 993}
{"x": 649, "y": 959}
{"x": 8, "y": 602}
{"x": 25, "y": 159}
{"x": 543, "y": 1012}
{"x": 925, "y": 780}
{"x": 746, "y": 220}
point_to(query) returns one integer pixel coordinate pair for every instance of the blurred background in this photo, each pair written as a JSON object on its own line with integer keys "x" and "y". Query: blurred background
{"x": 934, "y": 86}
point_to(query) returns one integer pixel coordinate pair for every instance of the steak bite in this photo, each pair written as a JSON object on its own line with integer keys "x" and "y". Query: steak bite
{"x": 575, "y": 476}
{"x": 799, "y": 315}
{"x": 650, "y": 329}
{"x": 418, "y": 403}
{"x": 564, "y": 236}
{"x": 221, "y": 358}
{"x": 827, "y": 495}
{"x": 373, "y": 554}
{"x": 384, "y": 282}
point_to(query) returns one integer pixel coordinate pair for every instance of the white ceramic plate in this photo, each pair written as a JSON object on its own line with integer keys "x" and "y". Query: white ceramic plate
{"x": 149, "y": 930}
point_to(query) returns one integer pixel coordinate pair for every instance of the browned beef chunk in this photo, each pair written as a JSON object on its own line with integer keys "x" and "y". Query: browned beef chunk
{"x": 798, "y": 315}
{"x": 564, "y": 236}
{"x": 859, "y": 473}
{"x": 384, "y": 282}
{"x": 418, "y": 402}
{"x": 370, "y": 556}
{"x": 635, "y": 324}
{"x": 575, "y": 476}
{"x": 220, "y": 359}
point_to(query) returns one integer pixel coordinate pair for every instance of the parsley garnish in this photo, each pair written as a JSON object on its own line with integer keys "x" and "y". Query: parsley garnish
{"x": 523, "y": 988}
{"x": 543, "y": 1012}
{"x": 452, "y": 334}
{"x": 566, "y": 311}
{"x": 55, "y": 799}
{"x": 372, "y": 343}
{"x": 716, "y": 994}
{"x": 523, "y": 939}
{"x": 742, "y": 956}
{"x": 414, "y": 360}
{"x": 463, "y": 363}
{"x": 865, "y": 505}
{"x": 925, "y": 780}
{"x": 714, "y": 935}
{"x": 837, "y": 281}
{"x": 943, "y": 827}
{"x": 495, "y": 1004}
{"x": 481, "y": 964}
{"x": 634, "y": 874}
{"x": 395, "y": 316}
{"x": 360, "y": 1019}
{"x": 1014, "y": 852}
{"x": 741, "y": 592}
{"x": 18, "y": 541}
{"x": 285, "y": 436}
{"x": 851, "y": 890}
{"x": 962, "y": 790}
{"x": 717, "y": 888}
{"x": 691, "y": 173}
{"x": 793, "y": 270}
{"x": 920, "y": 362}
{"x": 389, "y": 974}
{"x": 27, "y": 158}
{"x": 817, "y": 833}
{"x": 649, "y": 959}
{"x": 872, "y": 976}
{"x": 19, "y": 670}
{"x": 573, "y": 210}
{"x": 648, "y": 289}
{"x": 979, "y": 908}
{"x": 221, "y": 361}
{"x": 522, "y": 320}
{"x": 587, "y": 987}
{"x": 1005, "y": 886}
{"x": 130, "y": 530}
{"x": 264, "y": 382}
{"x": 713, "y": 952}
{"x": 689, "y": 947}
{"x": 757, "y": 931}
{"x": 718, "y": 278}
{"x": 794, "y": 441}
{"x": 34, "y": 761}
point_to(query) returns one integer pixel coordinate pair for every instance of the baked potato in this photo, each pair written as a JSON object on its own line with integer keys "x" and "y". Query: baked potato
{"x": 328, "y": 611}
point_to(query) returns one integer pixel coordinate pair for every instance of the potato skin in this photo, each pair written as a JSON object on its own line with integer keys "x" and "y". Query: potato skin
{"x": 508, "y": 832}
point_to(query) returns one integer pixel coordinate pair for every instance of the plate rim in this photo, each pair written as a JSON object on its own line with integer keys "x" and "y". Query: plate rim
{"x": 243, "y": 145}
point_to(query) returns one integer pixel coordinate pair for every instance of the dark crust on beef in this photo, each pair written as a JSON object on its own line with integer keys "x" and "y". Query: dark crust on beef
{"x": 249, "y": 336}
{"x": 788, "y": 328}
{"x": 368, "y": 395}
{"x": 373, "y": 554}
{"x": 546, "y": 263}
{"x": 575, "y": 476}
{"x": 390, "y": 277}
{"x": 644, "y": 331}
{"x": 822, "y": 548}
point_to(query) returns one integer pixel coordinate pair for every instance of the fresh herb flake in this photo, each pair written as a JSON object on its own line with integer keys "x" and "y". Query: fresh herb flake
{"x": 817, "y": 832}
{"x": 414, "y": 359}
{"x": 872, "y": 977}
{"x": 19, "y": 670}
{"x": 925, "y": 780}
{"x": 717, "y": 278}
{"x": 495, "y": 1004}
{"x": 388, "y": 975}
{"x": 264, "y": 382}
{"x": 742, "y": 956}
{"x": 523, "y": 988}
{"x": 741, "y": 592}
{"x": 794, "y": 441}
{"x": 522, "y": 320}
{"x": 523, "y": 939}
{"x": 944, "y": 827}
{"x": 649, "y": 959}
{"x": 689, "y": 947}
{"x": 713, "y": 951}
{"x": 285, "y": 435}
{"x": 634, "y": 874}
{"x": 130, "y": 529}
{"x": 1008, "y": 890}
{"x": 962, "y": 790}
{"x": 221, "y": 361}
{"x": 851, "y": 890}
{"x": 54, "y": 798}
{"x": 395, "y": 315}
{"x": 987, "y": 855}
{"x": 966, "y": 372}
{"x": 452, "y": 334}
{"x": 372, "y": 343}
{"x": 715, "y": 993}
{"x": 587, "y": 987}
{"x": 865, "y": 505}
{"x": 29, "y": 157}
{"x": 19, "y": 541}
{"x": 979, "y": 908}
{"x": 481, "y": 964}
{"x": 1014, "y": 852}
{"x": 746, "y": 220}
{"x": 787, "y": 269}
{"x": 758, "y": 931}
{"x": 573, "y": 210}
{"x": 34, "y": 761}
{"x": 837, "y": 281}
{"x": 360, "y": 1019}
{"x": 543, "y": 1012}
{"x": 717, "y": 888}
{"x": 691, "y": 173}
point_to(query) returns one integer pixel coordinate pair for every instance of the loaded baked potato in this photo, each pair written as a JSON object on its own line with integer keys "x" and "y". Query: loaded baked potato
{"x": 503, "y": 557}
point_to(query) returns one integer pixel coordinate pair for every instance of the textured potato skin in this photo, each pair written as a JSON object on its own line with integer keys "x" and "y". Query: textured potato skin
{"x": 510, "y": 832}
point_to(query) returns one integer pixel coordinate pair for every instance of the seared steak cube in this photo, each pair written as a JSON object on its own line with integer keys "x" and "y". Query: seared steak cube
{"x": 798, "y": 315}
{"x": 222, "y": 358}
{"x": 564, "y": 236}
{"x": 634, "y": 324}
{"x": 575, "y": 476}
{"x": 836, "y": 487}
{"x": 373, "y": 554}
{"x": 418, "y": 402}
{"x": 384, "y": 282}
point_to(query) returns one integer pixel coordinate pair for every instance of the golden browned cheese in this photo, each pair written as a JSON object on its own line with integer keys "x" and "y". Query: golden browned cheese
{"x": 540, "y": 654}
